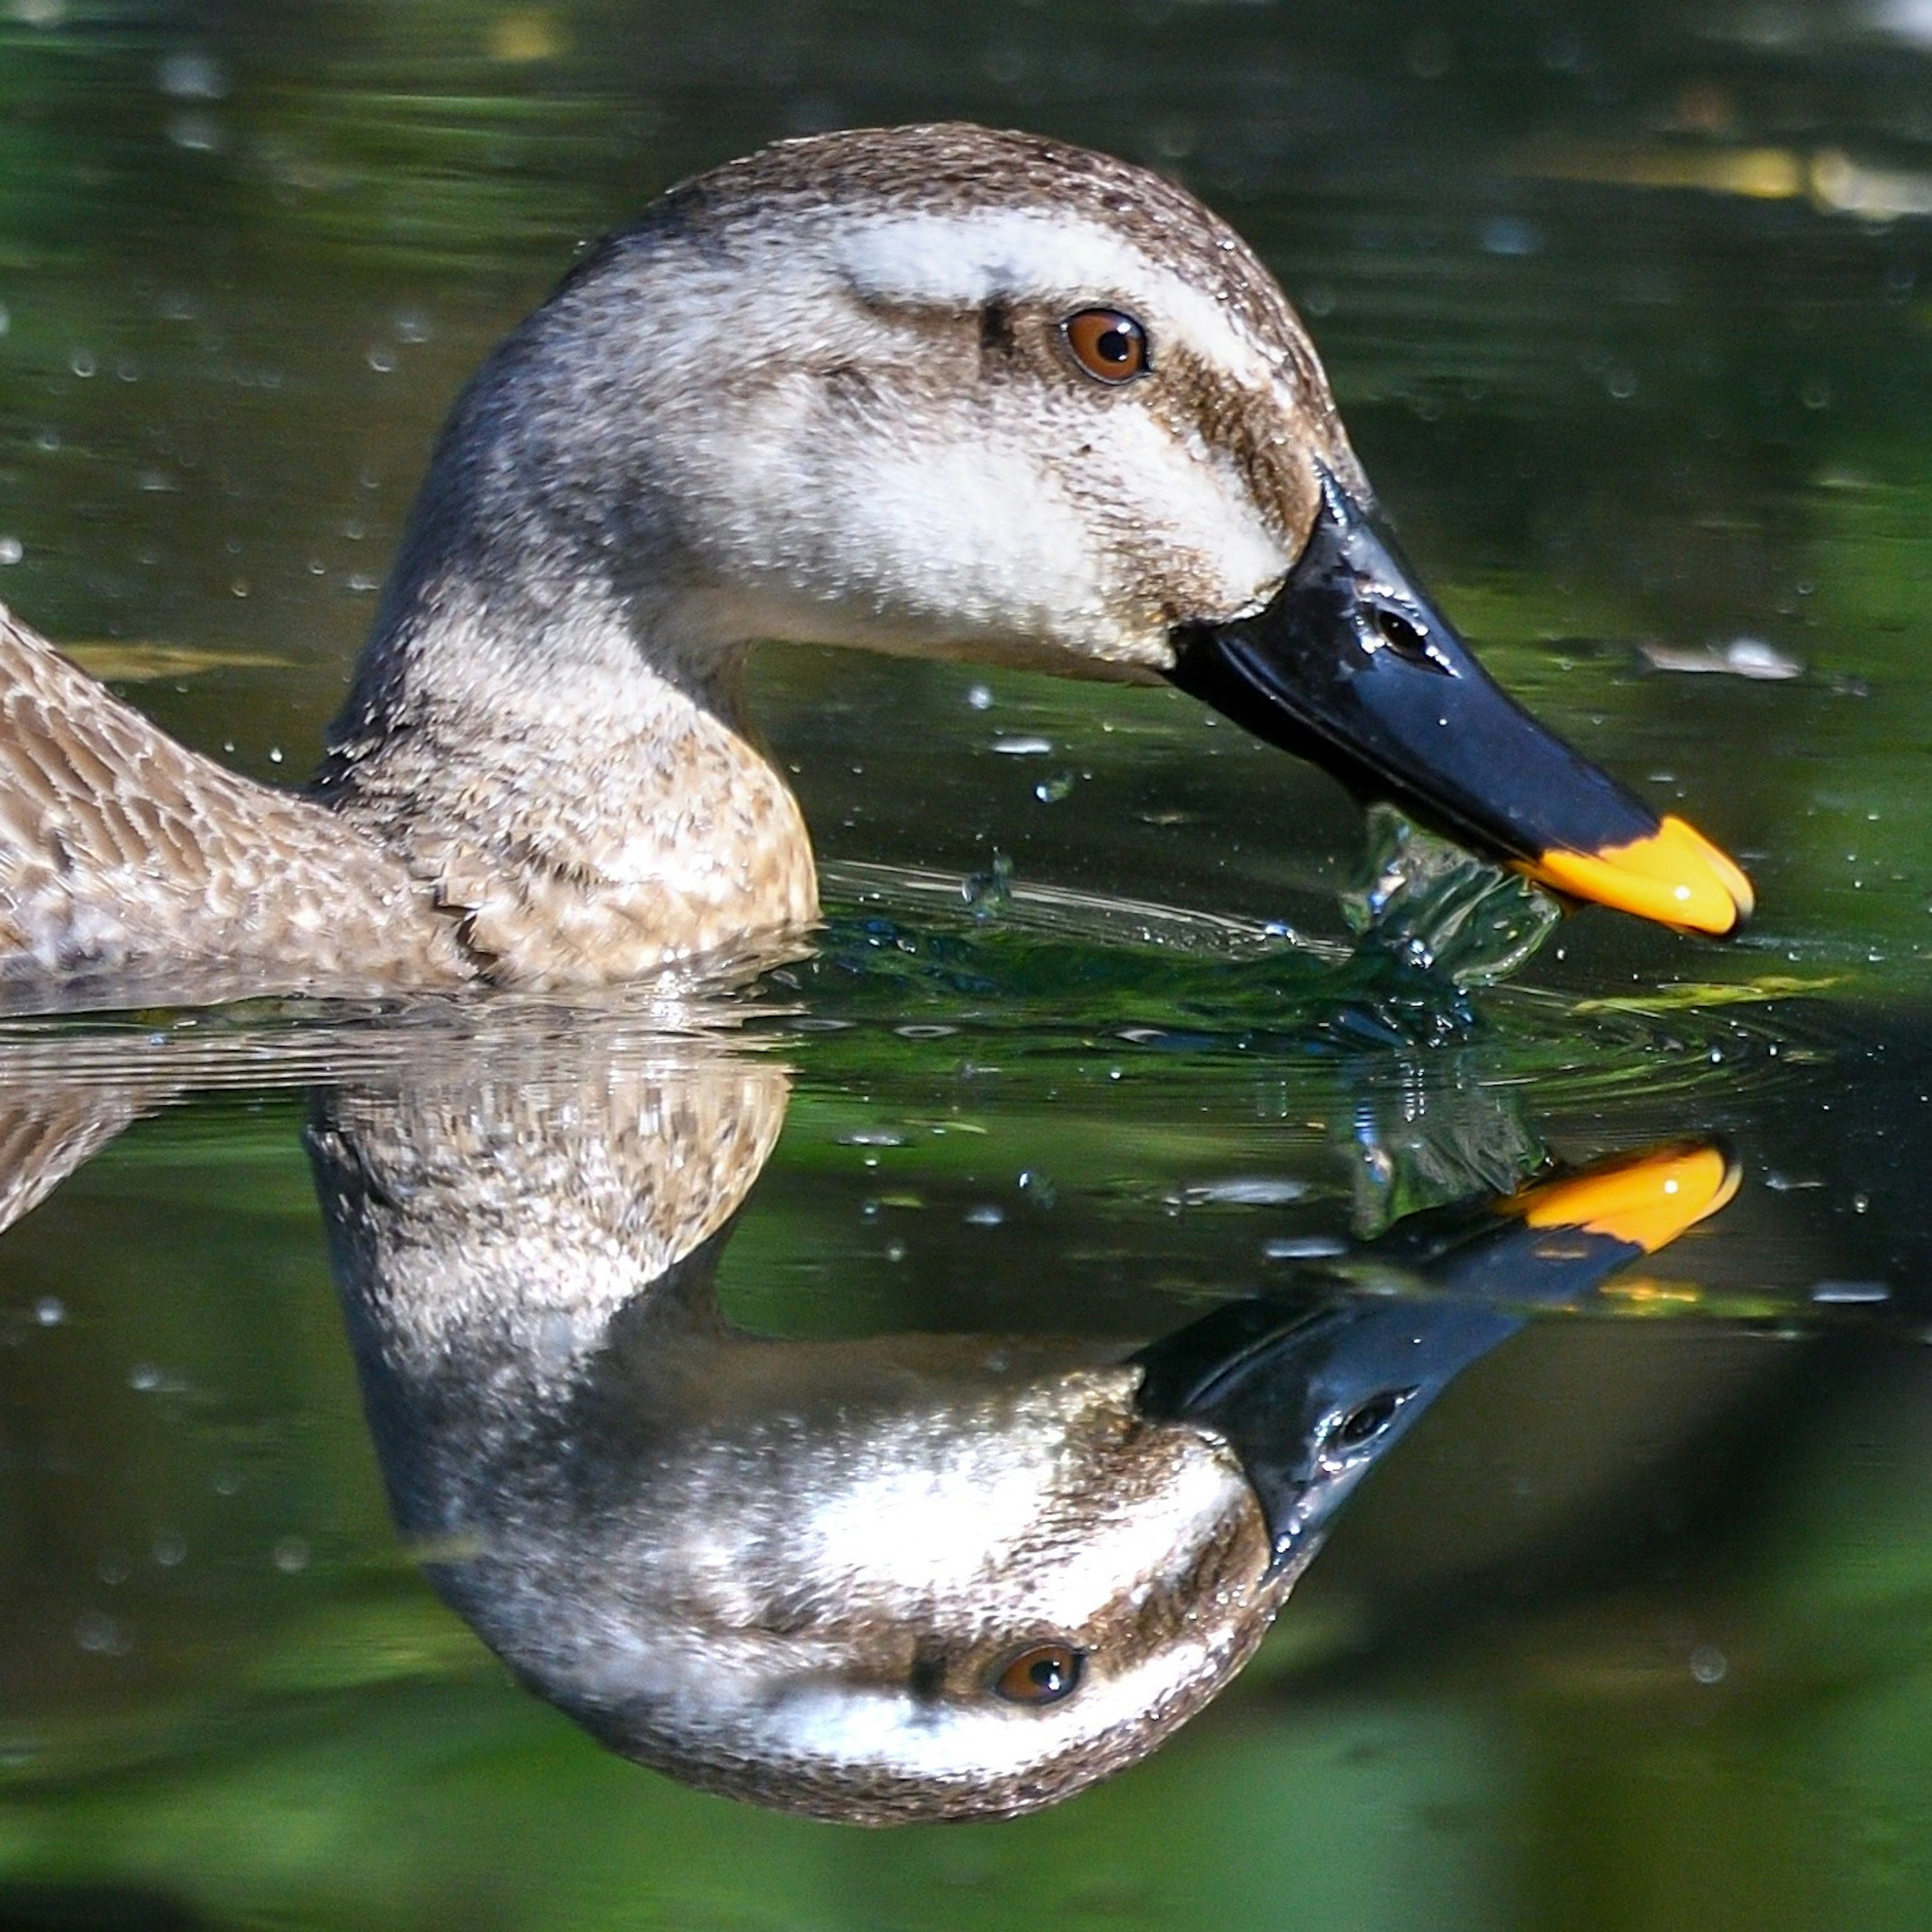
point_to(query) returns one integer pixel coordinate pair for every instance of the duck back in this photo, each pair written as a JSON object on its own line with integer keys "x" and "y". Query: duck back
{"x": 124, "y": 856}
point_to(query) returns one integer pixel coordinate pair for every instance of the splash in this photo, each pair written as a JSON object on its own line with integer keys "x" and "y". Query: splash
{"x": 1431, "y": 906}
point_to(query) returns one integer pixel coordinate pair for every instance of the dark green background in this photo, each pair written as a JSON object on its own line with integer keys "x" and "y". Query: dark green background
{"x": 1627, "y": 307}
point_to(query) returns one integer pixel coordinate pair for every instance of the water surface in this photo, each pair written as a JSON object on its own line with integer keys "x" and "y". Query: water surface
{"x": 1625, "y": 307}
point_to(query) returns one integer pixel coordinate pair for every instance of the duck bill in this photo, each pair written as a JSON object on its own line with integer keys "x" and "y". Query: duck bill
{"x": 1350, "y": 666}
{"x": 1293, "y": 1390}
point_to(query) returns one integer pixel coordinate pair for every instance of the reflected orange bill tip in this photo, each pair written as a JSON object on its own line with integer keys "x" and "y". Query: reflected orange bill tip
{"x": 1646, "y": 1201}
{"x": 1676, "y": 877}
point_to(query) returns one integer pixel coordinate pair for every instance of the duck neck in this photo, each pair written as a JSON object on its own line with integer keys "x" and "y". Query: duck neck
{"x": 567, "y": 762}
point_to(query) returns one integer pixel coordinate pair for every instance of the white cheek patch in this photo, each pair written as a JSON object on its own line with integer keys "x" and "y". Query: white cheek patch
{"x": 973, "y": 526}
{"x": 963, "y": 261}
{"x": 930, "y": 1525}
{"x": 814, "y": 1716}
{"x": 1163, "y": 1535}
{"x": 1203, "y": 508}
{"x": 964, "y": 545}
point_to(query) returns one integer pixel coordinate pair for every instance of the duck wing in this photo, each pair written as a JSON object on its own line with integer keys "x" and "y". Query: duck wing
{"x": 126, "y": 857}
{"x": 45, "y": 1136}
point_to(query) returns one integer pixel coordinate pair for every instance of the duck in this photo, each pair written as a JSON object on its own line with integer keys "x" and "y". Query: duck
{"x": 938, "y": 390}
{"x": 879, "y": 1578}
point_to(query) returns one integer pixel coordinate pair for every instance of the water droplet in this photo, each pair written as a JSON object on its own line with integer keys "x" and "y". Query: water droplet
{"x": 1510, "y": 235}
{"x": 191, "y": 75}
{"x": 50, "y": 1311}
{"x": 101, "y": 1635}
{"x": 1303, "y": 1248}
{"x": 1849, "y": 1294}
{"x": 1038, "y": 1189}
{"x": 1244, "y": 1190}
{"x": 1051, "y": 791}
{"x": 987, "y": 892}
{"x": 1708, "y": 1663}
{"x": 291, "y": 1556}
{"x": 199, "y": 133}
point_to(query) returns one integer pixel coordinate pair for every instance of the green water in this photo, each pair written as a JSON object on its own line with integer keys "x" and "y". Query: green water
{"x": 1633, "y": 1630}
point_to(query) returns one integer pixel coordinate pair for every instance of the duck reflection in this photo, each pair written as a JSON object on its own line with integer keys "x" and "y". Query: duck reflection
{"x": 909, "y": 1576}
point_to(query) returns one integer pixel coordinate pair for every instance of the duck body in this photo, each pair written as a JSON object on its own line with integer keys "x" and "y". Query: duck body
{"x": 934, "y": 391}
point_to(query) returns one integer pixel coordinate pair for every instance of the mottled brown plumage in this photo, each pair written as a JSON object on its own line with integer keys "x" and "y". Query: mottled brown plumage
{"x": 819, "y": 393}
{"x": 122, "y": 850}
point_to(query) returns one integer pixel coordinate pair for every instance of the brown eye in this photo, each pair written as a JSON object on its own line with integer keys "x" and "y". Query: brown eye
{"x": 1042, "y": 1673}
{"x": 1109, "y": 345}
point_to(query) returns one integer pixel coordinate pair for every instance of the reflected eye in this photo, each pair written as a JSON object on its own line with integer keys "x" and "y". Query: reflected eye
{"x": 1110, "y": 347}
{"x": 1367, "y": 1420}
{"x": 1042, "y": 1673}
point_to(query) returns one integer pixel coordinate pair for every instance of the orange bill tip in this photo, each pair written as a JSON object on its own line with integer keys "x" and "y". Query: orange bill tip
{"x": 1646, "y": 1201}
{"x": 1676, "y": 877}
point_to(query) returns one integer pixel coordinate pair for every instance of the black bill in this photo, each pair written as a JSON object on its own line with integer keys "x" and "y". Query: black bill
{"x": 1350, "y": 666}
{"x": 1311, "y": 1397}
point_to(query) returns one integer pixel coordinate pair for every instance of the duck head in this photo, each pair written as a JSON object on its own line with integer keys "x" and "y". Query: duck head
{"x": 900, "y": 1577}
{"x": 946, "y": 391}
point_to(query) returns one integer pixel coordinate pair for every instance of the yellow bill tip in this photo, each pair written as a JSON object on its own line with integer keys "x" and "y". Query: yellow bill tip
{"x": 1676, "y": 877}
{"x": 1646, "y": 1200}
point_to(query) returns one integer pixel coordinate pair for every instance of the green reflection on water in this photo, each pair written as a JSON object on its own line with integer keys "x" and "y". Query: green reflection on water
{"x": 1633, "y": 1635}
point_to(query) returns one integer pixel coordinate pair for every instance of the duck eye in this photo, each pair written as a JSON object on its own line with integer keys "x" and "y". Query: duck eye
{"x": 1042, "y": 1673}
{"x": 1367, "y": 1420}
{"x": 1110, "y": 347}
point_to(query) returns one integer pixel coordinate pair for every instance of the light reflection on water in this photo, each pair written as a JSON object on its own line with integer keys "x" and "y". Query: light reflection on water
{"x": 1636, "y": 1615}
{"x": 1590, "y": 1534}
